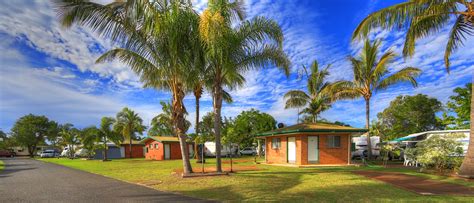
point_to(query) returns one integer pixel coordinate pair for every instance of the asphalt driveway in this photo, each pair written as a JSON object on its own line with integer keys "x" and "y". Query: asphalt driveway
{"x": 27, "y": 180}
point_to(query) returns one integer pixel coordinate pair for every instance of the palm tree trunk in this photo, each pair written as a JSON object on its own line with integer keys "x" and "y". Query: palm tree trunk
{"x": 367, "y": 125}
{"x": 217, "y": 124}
{"x": 130, "y": 145}
{"x": 105, "y": 149}
{"x": 467, "y": 167}
{"x": 179, "y": 125}
{"x": 197, "y": 95}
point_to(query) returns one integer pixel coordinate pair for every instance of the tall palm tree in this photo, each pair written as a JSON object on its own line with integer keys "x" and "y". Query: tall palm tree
{"x": 371, "y": 74}
{"x": 232, "y": 50}
{"x": 128, "y": 123}
{"x": 318, "y": 97}
{"x": 421, "y": 18}
{"x": 158, "y": 39}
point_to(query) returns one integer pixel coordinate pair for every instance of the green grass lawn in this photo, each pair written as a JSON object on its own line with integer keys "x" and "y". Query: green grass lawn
{"x": 269, "y": 183}
{"x": 2, "y": 166}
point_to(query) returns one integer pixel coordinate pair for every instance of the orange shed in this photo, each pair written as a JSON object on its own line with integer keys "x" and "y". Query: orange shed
{"x": 309, "y": 143}
{"x": 164, "y": 148}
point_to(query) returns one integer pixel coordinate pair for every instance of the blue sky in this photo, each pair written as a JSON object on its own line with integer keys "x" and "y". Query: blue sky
{"x": 48, "y": 70}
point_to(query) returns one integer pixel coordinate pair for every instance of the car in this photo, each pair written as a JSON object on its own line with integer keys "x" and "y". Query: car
{"x": 49, "y": 153}
{"x": 7, "y": 153}
{"x": 248, "y": 151}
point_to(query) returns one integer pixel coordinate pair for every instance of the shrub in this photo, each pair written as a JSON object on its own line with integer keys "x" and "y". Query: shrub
{"x": 440, "y": 152}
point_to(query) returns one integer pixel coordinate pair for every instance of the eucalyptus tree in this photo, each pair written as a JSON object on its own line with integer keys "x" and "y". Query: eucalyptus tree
{"x": 234, "y": 46}
{"x": 128, "y": 124}
{"x": 371, "y": 74}
{"x": 158, "y": 40}
{"x": 317, "y": 98}
{"x": 421, "y": 18}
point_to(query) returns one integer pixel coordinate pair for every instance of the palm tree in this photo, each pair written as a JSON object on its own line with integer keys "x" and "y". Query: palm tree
{"x": 106, "y": 133}
{"x": 421, "y": 18}
{"x": 162, "y": 124}
{"x": 128, "y": 123}
{"x": 69, "y": 137}
{"x": 318, "y": 97}
{"x": 232, "y": 50}
{"x": 159, "y": 40}
{"x": 371, "y": 74}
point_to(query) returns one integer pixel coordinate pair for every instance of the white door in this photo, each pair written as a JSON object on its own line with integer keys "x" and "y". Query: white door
{"x": 291, "y": 150}
{"x": 190, "y": 150}
{"x": 313, "y": 149}
{"x": 167, "y": 151}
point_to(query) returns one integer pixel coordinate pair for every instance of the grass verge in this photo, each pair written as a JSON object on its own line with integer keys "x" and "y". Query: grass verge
{"x": 268, "y": 183}
{"x": 2, "y": 165}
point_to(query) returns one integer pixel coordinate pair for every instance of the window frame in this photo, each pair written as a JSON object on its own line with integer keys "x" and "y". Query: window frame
{"x": 331, "y": 141}
{"x": 276, "y": 141}
{"x": 156, "y": 145}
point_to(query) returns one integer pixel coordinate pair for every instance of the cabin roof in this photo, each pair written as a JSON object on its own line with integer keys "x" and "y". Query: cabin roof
{"x": 313, "y": 128}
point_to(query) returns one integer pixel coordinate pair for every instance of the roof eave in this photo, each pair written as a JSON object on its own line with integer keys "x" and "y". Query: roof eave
{"x": 312, "y": 131}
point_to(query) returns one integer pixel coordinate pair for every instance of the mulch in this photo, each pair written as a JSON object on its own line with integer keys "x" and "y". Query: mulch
{"x": 418, "y": 185}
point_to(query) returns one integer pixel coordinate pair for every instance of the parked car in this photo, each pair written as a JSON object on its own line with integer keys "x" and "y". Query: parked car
{"x": 248, "y": 151}
{"x": 49, "y": 153}
{"x": 7, "y": 153}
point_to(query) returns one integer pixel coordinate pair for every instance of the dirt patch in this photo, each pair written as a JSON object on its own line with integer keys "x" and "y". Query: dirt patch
{"x": 213, "y": 169}
{"x": 236, "y": 161}
{"x": 418, "y": 185}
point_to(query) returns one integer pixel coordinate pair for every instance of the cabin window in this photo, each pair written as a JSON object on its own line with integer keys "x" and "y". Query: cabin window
{"x": 276, "y": 143}
{"x": 333, "y": 141}
{"x": 156, "y": 146}
{"x": 147, "y": 150}
{"x": 151, "y": 146}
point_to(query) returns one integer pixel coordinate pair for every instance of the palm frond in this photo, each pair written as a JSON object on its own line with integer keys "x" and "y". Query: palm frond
{"x": 407, "y": 74}
{"x": 457, "y": 35}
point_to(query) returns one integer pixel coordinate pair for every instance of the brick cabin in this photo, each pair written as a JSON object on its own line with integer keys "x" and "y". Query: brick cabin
{"x": 163, "y": 148}
{"x": 309, "y": 144}
{"x": 138, "y": 149}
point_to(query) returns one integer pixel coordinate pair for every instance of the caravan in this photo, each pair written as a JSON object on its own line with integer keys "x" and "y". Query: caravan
{"x": 360, "y": 146}
{"x": 210, "y": 149}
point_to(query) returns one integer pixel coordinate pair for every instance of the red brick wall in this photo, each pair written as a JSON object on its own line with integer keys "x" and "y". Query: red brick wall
{"x": 175, "y": 150}
{"x": 159, "y": 154}
{"x": 277, "y": 156}
{"x": 154, "y": 154}
{"x": 333, "y": 155}
{"x": 326, "y": 155}
{"x": 137, "y": 151}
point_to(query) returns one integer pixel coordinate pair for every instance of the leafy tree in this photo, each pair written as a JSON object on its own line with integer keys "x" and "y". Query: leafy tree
{"x": 233, "y": 47}
{"x": 371, "y": 74}
{"x": 30, "y": 130}
{"x": 249, "y": 123}
{"x": 409, "y": 114}
{"x": 162, "y": 124}
{"x": 318, "y": 98}
{"x": 106, "y": 133}
{"x": 422, "y": 18}
{"x": 53, "y": 134}
{"x": 6, "y": 142}
{"x": 70, "y": 137}
{"x": 129, "y": 123}
{"x": 460, "y": 104}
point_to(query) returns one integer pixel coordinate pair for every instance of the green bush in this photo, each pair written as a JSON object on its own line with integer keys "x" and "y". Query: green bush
{"x": 439, "y": 152}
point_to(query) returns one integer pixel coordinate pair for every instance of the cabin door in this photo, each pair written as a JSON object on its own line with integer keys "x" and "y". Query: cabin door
{"x": 167, "y": 151}
{"x": 291, "y": 150}
{"x": 313, "y": 149}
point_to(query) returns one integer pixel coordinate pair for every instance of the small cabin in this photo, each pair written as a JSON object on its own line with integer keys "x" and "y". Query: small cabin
{"x": 309, "y": 144}
{"x": 164, "y": 148}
